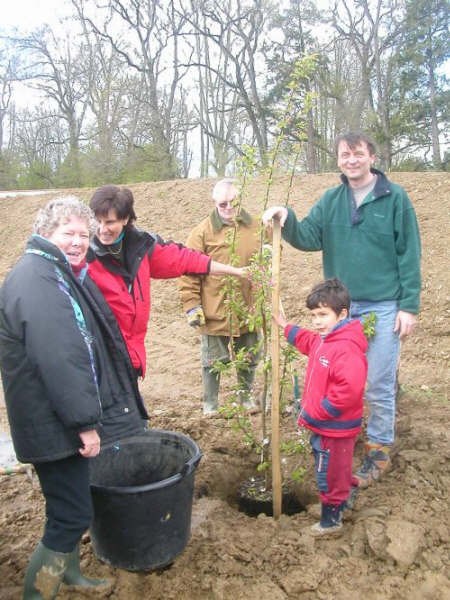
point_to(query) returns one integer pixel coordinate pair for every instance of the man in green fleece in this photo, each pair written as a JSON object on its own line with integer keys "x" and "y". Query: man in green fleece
{"x": 368, "y": 233}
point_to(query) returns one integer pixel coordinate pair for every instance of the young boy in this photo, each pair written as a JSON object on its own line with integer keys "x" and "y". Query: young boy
{"x": 332, "y": 401}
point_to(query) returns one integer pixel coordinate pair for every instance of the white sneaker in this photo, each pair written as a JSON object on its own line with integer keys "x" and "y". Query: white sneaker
{"x": 318, "y": 531}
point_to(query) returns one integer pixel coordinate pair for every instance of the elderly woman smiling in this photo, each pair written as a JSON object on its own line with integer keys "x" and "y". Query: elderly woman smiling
{"x": 68, "y": 383}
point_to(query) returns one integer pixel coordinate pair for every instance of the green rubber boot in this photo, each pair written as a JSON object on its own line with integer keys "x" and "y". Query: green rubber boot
{"x": 211, "y": 382}
{"x": 44, "y": 574}
{"x": 245, "y": 380}
{"x": 73, "y": 576}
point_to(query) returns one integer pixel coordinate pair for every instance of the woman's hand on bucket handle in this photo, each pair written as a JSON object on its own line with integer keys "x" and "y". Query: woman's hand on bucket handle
{"x": 91, "y": 443}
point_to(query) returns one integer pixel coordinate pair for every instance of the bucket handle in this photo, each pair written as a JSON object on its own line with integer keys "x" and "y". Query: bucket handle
{"x": 191, "y": 465}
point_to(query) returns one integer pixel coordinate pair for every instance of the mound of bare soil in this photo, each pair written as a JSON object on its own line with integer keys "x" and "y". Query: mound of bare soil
{"x": 395, "y": 543}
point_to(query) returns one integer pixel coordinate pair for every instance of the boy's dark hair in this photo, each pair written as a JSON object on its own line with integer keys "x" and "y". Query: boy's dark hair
{"x": 112, "y": 196}
{"x": 353, "y": 138}
{"x": 331, "y": 293}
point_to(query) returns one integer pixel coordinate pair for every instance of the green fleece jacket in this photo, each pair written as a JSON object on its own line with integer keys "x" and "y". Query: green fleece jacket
{"x": 374, "y": 250}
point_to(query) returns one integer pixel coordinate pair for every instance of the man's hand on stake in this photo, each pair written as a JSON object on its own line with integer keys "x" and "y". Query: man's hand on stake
{"x": 279, "y": 212}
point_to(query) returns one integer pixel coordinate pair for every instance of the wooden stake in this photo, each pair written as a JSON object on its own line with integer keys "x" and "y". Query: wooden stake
{"x": 276, "y": 462}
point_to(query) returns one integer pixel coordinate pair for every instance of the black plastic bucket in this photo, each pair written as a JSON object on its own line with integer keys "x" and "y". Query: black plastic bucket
{"x": 142, "y": 489}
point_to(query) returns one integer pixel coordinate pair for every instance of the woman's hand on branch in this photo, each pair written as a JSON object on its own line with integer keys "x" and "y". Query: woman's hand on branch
{"x": 277, "y": 212}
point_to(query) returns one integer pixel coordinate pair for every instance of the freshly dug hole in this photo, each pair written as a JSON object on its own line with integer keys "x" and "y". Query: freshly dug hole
{"x": 232, "y": 478}
{"x": 254, "y": 499}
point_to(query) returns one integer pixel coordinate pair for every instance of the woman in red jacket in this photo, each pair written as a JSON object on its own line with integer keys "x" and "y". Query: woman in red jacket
{"x": 332, "y": 401}
{"x": 123, "y": 259}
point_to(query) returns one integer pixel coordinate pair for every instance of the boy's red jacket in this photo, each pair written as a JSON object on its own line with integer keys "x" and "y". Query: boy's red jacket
{"x": 332, "y": 401}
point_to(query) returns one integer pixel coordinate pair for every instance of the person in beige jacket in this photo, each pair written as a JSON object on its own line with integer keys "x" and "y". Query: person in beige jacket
{"x": 203, "y": 298}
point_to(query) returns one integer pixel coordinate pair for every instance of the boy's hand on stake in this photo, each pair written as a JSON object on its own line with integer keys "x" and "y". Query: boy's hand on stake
{"x": 280, "y": 319}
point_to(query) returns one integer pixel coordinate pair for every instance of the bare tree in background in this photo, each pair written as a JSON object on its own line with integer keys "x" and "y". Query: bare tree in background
{"x": 372, "y": 29}
{"x": 236, "y": 28}
{"x": 108, "y": 86}
{"x": 216, "y": 108}
{"x": 41, "y": 142}
{"x": 8, "y": 67}
{"x": 152, "y": 32}
{"x": 56, "y": 70}
{"x": 124, "y": 95}
{"x": 425, "y": 49}
{"x": 296, "y": 23}
{"x": 7, "y": 76}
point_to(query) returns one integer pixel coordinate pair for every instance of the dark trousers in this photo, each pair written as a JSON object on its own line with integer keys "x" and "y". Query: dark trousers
{"x": 68, "y": 503}
{"x": 333, "y": 459}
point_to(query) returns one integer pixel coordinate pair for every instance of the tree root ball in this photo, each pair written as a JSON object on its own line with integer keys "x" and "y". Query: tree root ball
{"x": 254, "y": 498}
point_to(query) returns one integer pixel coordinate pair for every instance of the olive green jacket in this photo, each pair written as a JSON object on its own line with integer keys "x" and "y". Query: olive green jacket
{"x": 212, "y": 237}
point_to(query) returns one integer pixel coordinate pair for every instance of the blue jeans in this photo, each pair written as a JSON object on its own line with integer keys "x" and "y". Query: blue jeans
{"x": 382, "y": 358}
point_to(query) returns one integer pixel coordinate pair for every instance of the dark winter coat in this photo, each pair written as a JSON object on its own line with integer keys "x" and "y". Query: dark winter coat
{"x": 64, "y": 364}
{"x": 332, "y": 401}
{"x": 126, "y": 287}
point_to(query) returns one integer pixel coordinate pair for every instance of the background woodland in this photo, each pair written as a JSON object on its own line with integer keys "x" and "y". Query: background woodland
{"x": 141, "y": 90}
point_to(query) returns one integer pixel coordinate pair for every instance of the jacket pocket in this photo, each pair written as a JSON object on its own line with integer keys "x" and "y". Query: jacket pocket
{"x": 329, "y": 408}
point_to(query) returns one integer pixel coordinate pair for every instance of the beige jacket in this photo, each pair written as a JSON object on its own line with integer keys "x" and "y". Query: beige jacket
{"x": 210, "y": 237}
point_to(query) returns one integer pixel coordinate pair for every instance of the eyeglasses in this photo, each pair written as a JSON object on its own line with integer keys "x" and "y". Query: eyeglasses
{"x": 225, "y": 204}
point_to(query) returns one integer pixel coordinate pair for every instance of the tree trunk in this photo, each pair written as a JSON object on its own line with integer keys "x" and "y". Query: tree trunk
{"x": 437, "y": 162}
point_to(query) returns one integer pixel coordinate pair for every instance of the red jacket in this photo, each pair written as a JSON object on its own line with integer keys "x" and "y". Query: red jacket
{"x": 127, "y": 291}
{"x": 332, "y": 401}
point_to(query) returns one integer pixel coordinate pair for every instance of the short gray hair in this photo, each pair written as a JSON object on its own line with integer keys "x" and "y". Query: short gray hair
{"x": 61, "y": 209}
{"x": 223, "y": 186}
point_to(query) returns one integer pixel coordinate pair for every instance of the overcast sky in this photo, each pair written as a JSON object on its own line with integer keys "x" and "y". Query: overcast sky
{"x": 29, "y": 14}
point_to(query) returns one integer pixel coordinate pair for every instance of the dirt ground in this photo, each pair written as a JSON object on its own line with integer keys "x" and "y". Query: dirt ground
{"x": 395, "y": 543}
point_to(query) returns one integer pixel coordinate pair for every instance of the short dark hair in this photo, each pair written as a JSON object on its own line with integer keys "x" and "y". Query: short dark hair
{"x": 330, "y": 292}
{"x": 353, "y": 138}
{"x": 120, "y": 199}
